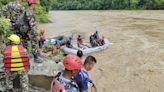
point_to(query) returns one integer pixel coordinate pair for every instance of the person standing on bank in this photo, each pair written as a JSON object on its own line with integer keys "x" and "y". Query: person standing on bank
{"x": 16, "y": 62}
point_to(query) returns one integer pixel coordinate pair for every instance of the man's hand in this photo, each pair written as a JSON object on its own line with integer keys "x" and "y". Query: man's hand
{"x": 93, "y": 86}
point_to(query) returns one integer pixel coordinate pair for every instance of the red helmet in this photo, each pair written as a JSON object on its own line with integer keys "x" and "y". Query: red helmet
{"x": 72, "y": 62}
{"x": 31, "y": 1}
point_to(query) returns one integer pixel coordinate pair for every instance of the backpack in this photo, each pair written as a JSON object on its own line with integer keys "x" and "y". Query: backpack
{"x": 57, "y": 85}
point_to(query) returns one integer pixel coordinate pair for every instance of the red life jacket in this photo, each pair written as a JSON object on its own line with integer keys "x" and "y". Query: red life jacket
{"x": 80, "y": 40}
{"x": 15, "y": 58}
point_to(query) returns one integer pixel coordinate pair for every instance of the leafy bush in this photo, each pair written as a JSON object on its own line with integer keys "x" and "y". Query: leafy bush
{"x": 5, "y": 25}
{"x": 47, "y": 47}
{"x": 46, "y": 4}
{"x": 41, "y": 14}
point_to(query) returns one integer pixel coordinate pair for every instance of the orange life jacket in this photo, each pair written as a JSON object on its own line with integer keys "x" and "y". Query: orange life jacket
{"x": 15, "y": 58}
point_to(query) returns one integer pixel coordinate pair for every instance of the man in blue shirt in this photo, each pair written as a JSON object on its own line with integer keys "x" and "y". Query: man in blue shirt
{"x": 69, "y": 43}
{"x": 82, "y": 77}
{"x": 93, "y": 41}
{"x": 96, "y": 35}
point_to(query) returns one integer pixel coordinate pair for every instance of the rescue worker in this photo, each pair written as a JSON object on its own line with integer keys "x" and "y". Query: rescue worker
{"x": 80, "y": 54}
{"x": 82, "y": 77}
{"x": 102, "y": 41}
{"x": 93, "y": 41}
{"x": 96, "y": 35}
{"x": 69, "y": 43}
{"x": 64, "y": 82}
{"x": 57, "y": 44}
{"x": 15, "y": 9}
{"x": 32, "y": 31}
{"x": 16, "y": 63}
{"x": 79, "y": 41}
{"x": 24, "y": 25}
{"x": 41, "y": 37}
{"x": 97, "y": 38}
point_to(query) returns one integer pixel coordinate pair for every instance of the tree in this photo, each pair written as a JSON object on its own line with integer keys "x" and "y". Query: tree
{"x": 41, "y": 14}
{"x": 107, "y": 4}
{"x": 5, "y": 26}
{"x": 46, "y": 4}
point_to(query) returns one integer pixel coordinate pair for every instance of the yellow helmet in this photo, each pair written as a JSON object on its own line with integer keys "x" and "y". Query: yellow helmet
{"x": 14, "y": 38}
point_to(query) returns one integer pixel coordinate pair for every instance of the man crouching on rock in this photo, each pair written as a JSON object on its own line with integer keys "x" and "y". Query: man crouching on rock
{"x": 63, "y": 82}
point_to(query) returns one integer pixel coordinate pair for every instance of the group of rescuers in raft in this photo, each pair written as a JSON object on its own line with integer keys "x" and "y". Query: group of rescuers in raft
{"x": 16, "y": 59}
{"x": 94, "y": 40}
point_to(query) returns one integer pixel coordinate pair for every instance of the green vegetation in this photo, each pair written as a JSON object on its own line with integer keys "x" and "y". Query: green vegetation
{"x": 47, "y": 47}
{"x": 41, "y": 14}
{"x": 107, "y": 4}
{"x": 40, "y": 11}
{"x": 5, "y": 26}
{"x": 43, "y": 6}
{"x": 46, "y": 4}
{"x": 4, "y": 2}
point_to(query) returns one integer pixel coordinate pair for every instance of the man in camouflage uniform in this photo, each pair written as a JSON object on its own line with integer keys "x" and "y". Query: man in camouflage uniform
{"x": 24, "y": 25}
{"x": 23, "y": 76}
{"x": 15, "y": 9}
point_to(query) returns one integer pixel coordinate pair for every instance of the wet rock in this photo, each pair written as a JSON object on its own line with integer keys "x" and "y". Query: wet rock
{"x": 40, "y": 81}
{"x": 46, "y": 68}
